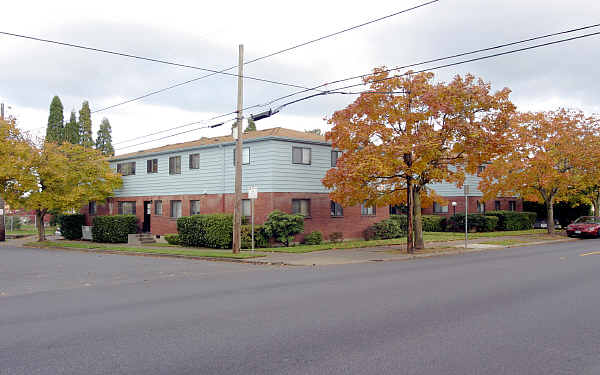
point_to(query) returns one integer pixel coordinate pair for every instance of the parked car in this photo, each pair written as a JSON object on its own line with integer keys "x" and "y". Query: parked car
{"x": 585, "y": 226}
{"x": 543, "y": 224}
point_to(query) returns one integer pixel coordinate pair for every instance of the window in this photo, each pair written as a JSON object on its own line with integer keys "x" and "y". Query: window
{"x": 497, "y": 205}
{"x": 481, "y": 207}
{"x": 512, "y": 205}
{"x": 175, "y": 165}
{"x": 246, "y": 208}
{"x": 439, "y": 209}
{"x": 367, "y": 210}
{"x": 195, "y": 161}
{"x": 126, "y": 169}
{"x": 480, "y": 169}
{"x": 126, "y": 208}
{"x": 92, "y": 208}
{"x": 336, "y": 209}
{"x": 175, "y": 209}
{"x": 194, "y": 207}
{"x": 152, "y": 166}
{"x": 301, "y": 155}
{"x": 158, "y": 208}
{"x": 245, "y": 155}
{"x": 110, "y": 207}
{"x": 301, "y": 206}
{"x": 335, "y": 155}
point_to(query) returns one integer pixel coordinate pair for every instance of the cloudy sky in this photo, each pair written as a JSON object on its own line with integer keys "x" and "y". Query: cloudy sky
{"x": 206, "y": 34}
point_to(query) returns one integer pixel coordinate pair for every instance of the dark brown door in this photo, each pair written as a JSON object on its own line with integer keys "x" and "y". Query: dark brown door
{"x": 147, "y": 216}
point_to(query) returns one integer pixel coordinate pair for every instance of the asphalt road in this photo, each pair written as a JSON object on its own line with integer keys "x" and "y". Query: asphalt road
{"x": 530, "y": 310}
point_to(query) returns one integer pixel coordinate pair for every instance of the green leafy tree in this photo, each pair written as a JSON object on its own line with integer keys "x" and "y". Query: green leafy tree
{"x": 104, "y": 139}
{"x": 251, "y": 126}
{"x": 283, "y": 227}
{"x": 72, "y": 130}
{"x": 55, "y": 132}
{"x": 85, "y": 125}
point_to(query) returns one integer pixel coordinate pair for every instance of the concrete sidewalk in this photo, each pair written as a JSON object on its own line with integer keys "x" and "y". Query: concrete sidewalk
{"x": 394, "y": 253}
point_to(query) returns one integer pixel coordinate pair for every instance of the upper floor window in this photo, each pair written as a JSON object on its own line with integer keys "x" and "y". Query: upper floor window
{"x": 336, "y": 209}
{"x": 301, "y": 206}
{"x": 126, "y": 208}
{"x": 175, "y": 165}
{"x": 335, "y": 155}
{"x": 152, "y": 166}
{"x": 92, "y": 208}
{"x": 367, "y": 210}
{"x": 245, "y": 155}
{"x": 301, "y": 155}
{"x": 480, "y": 169}
{"x": 439, "y": 209}
{"x": 158, "y": 209}
{"x": 195, "y": 161}
{"x": 512, "y": 205}
{"x": 175, "y": 209}
{"x": 194, "y": 207}
{"x": 126, "y": 169}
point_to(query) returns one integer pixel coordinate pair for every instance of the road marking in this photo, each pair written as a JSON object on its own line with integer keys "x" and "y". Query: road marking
{"x": 592, "y": 253}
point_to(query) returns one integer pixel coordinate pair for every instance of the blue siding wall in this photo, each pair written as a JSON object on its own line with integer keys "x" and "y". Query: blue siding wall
{"x": 446, "y": 189}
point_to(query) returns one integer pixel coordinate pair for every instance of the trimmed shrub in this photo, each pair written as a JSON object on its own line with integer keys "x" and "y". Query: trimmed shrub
{"x": 314, "y": 238}
{"x": 336, "y": 237}
{"x": 476, "y": 222}
{"x": 386, "y": 229}
{"x": 433, "y": 223}
{"x": 214, "y": 230}
{"x": 54, "y": 220}
{"x": 283, "y": 227}
{"x": 113, "y": 229}
{"x": 172, "y": 239}
{"x": 261, "y": 239}
{"x": 70, "y": 226}
{"x": 513, "y": 220}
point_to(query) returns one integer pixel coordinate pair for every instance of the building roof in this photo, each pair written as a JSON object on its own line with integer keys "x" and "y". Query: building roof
{"x": 273, "y": 132}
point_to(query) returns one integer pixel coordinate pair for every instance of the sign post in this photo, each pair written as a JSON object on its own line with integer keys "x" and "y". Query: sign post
{"x": 466, "y": 188}
{"x": 252, "y": 195}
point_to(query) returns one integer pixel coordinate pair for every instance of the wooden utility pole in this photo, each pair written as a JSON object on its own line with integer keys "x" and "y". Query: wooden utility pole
{"x": 237, "y": 212}
{"x": 2, "y": 228}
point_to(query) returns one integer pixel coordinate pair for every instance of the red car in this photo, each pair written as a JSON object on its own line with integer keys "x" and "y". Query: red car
{"x": 585, "y": 226}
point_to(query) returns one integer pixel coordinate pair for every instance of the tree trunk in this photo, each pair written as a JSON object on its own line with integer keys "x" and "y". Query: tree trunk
{"x": 409, "y": 206}
{"x": 40, "y": 225}
{"x": 417, "y": 222}
{"x": 596, "y": 203}
{"x": 550, "y": 214}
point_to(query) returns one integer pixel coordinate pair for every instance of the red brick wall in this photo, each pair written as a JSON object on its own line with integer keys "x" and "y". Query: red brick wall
{"x": 352, "y": 224}
{"x": 489, "y": 205}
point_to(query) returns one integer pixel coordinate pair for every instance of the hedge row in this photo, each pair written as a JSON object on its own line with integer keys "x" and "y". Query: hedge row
{"x": 214, "y": 231}
{"x": 475, "y": 222}
{"x": 113, "y": 228}
{"x": 513, "y": 220}
{"x": 261, "y": 239}
{"x": 70, "y": 226}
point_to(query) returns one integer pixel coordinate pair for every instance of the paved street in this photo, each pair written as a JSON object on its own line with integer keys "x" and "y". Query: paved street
{"x": 527, "y": 310}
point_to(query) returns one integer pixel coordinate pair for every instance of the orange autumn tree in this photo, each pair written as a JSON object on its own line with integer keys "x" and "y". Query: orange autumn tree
{"x": 409, "y": 131}
{"x": 589, "y": 184}
{"x": 545, "y": 161}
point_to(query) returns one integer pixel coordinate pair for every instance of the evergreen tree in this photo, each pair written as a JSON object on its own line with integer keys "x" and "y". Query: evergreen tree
{"x": 72, "y": 130}
{"x": 104, "y": 139}
{"x": 85, "y": 125}
{"x": 55, "y": 132}
{"x": 251, "y": 126}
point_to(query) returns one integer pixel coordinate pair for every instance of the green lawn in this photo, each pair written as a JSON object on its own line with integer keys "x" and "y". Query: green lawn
{"x": 131, "y": 249}
{"x": 428, "y": 237}
{"x": 28, "y": 229}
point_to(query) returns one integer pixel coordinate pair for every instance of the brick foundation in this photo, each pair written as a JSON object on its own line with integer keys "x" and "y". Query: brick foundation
{"x": 351, "y": 225}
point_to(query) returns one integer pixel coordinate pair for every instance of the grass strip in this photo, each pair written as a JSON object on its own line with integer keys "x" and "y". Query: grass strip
{"x": 427, "y": 236}
{"x": 226, "y": 254}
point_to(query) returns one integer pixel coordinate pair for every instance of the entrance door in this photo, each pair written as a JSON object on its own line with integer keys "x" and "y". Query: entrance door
{"x": 147, "y": 215}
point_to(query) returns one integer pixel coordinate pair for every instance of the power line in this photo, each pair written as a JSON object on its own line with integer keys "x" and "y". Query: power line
{"x": 337, "y": 90}
{"x": 150, "y": 59}
{"x": 266, "y": 56}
